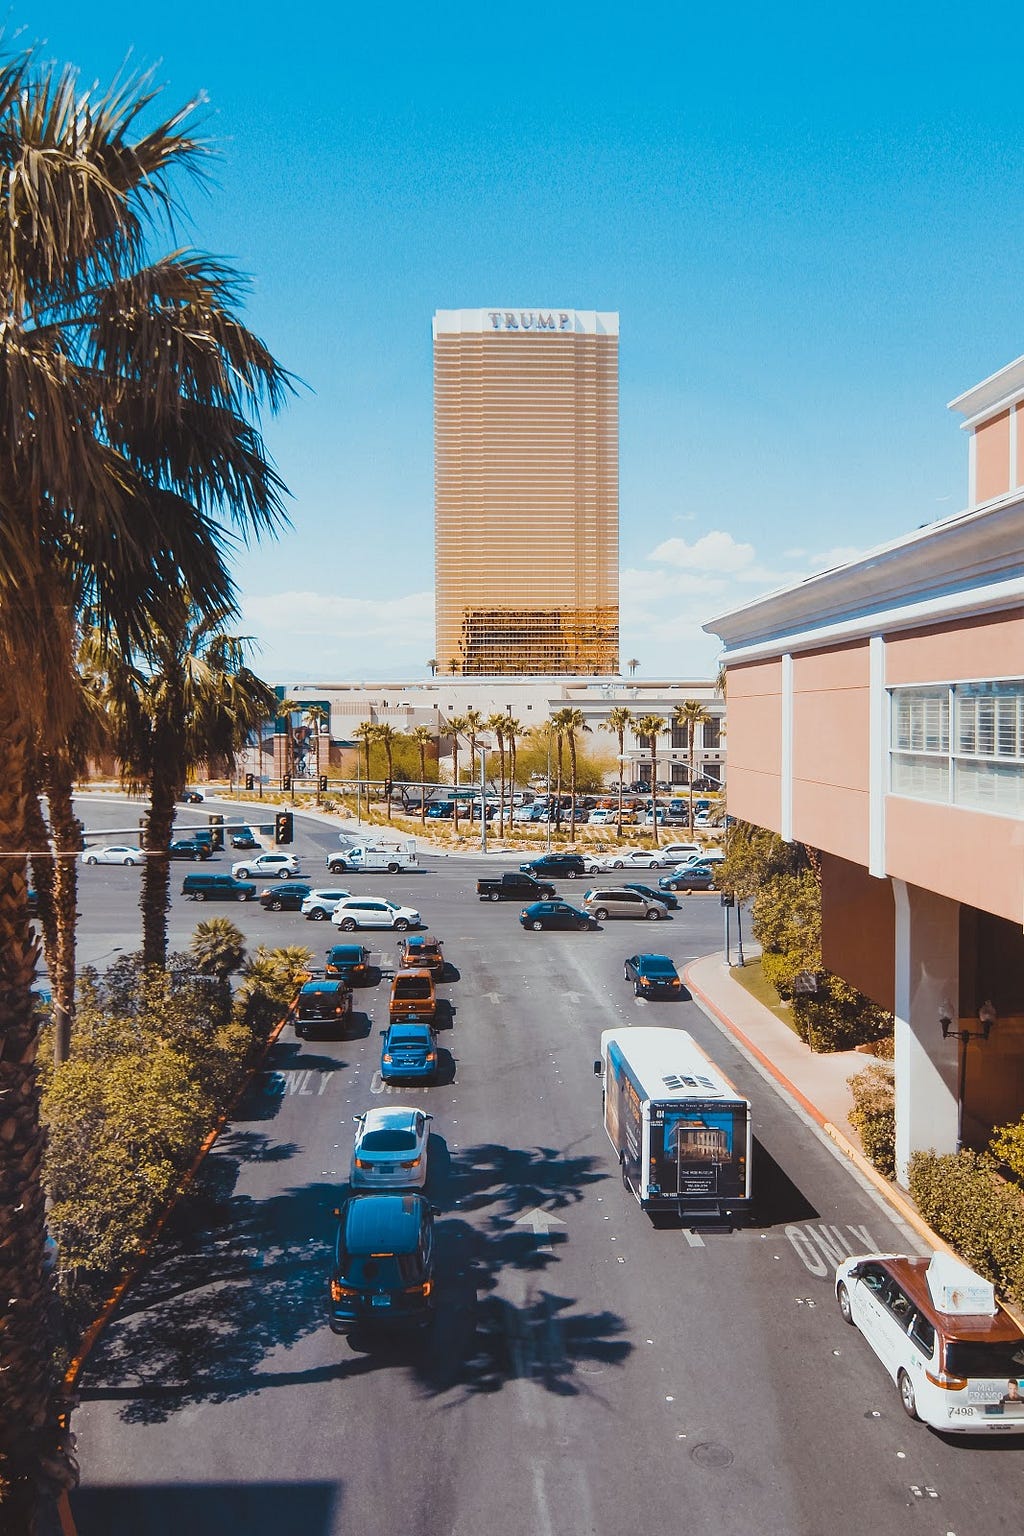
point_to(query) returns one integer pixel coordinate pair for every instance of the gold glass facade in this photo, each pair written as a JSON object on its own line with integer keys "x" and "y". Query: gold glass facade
{"x": 526, "y": 491}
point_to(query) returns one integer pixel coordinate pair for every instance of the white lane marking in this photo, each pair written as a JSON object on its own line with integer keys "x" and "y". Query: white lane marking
{"x": 821, "y": 1248}
{"x": 541, "y": 1222}
{"x": 693, "y": 1238}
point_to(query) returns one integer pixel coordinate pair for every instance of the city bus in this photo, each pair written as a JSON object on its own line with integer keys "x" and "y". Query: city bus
{"x": 682, "y": 1133}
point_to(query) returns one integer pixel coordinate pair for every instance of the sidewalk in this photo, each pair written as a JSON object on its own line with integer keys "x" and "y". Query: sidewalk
{"x": 817, "y": 1082}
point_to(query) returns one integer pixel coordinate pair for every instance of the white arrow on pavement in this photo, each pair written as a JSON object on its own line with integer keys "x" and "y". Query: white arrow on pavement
{"x": 541, "y": 1222}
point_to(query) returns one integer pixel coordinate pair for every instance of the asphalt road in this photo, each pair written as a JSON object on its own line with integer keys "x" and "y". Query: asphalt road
{"x": 588, "y": 1372}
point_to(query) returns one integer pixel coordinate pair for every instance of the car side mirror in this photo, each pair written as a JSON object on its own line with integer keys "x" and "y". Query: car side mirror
{"x": 597, "y": 1069}
{"x": 856, "y": 1271}
{"x": 435, "y": 1210}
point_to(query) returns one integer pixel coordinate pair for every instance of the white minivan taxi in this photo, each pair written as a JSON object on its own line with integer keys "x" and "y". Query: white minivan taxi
{"x": 956, "y": 1356}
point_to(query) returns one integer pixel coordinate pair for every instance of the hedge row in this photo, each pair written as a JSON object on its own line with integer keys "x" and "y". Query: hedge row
{"x": 873, "y": 1115}
{"x": 156, "y": 1059}
{"x": 962, "y": 1197}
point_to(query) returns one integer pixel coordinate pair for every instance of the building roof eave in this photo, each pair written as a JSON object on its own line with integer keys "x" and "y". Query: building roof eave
{"x": 972, "y": 562}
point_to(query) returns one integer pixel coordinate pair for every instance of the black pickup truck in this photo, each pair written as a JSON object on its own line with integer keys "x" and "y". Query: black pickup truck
{"x": 514, "y": 886}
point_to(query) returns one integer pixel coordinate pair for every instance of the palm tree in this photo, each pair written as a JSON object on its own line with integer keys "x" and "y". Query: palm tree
{"x": 648, "y": 728}
{"x": 423, "y": 736}
{"x": 496, "y": 722}
{"x": 129, "y": 394}
{"x": 567, "y": 722}
{"x": 721, "y": 679}
{"x": 387, "y": 736}
{"x": 474, "y": 725}
{"x": 190, "y": 698}
{"x": 453, "y": 666}
{"x": 619, "y": 720}
{"x": 218, "y": 947}
{"x": 432, "y": 664}
{"x": 512, "y": 730}
{"x": 690, "y": 714}
{"x": 367, "y": 734}
{"x": 456, "y": 727}
{"x": 632, "y": 664}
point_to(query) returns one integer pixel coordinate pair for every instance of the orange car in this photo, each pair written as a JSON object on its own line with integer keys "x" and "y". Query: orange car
{"x": 422, "y": 952}
{"x": 413, "y": 997}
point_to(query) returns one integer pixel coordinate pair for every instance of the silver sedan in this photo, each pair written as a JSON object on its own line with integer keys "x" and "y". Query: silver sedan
{"x": 390, "y": 1149}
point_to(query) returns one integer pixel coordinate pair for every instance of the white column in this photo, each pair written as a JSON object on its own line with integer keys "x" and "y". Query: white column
{"x": 878, "y": 755}
{"x": 927, "y": 975}
{"x": 786, "y": 764}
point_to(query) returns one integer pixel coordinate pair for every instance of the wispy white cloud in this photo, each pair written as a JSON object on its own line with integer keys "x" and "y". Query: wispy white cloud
{"x": 715, "y": 551}
{"x": 344, "y": 618}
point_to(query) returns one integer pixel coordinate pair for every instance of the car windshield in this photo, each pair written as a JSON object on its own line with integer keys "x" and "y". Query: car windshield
{"x": 976, "y": 1358}
{"x": 388, "y": 1141}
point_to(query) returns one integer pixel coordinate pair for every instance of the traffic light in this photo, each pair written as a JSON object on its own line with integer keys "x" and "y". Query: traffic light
{"x": 286, "y": 781}
{"x": 249, "y": 781}
{"x": 216, "y": 833}
{"x": 322, "y": 782}
{"x": 283, "y": 823}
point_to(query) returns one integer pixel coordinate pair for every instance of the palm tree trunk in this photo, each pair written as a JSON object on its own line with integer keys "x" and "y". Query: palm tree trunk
{"x": 455, "y": 781}
{"x": 572, "y": 786}
{"x": 501, "y": 769}
{"x": 391, "y": 768}
{"x": 66, "y": 832}
{"x": 558, "y": 787}
{"x": 423, "y": 783}
{"x": 156, "y": 870}
{"x": 654, "y": 790}
{"x": 691, "y": 733}
{"x": 34, "y": 1456}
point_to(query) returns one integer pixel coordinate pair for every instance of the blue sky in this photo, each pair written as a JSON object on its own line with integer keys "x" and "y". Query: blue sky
{"x": 810, "y": 225}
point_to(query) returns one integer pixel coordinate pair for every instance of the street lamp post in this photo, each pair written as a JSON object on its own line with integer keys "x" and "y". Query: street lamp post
{"x": 986, "y": 1018}
{"x": 483, "y": 800}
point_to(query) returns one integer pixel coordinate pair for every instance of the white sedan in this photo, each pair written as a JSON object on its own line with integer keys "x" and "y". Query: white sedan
{"x": 373, "y": 912}
{"x": 390, "y": 1149}
{"x": 113, "y": 853}
{"x": 633, "y": 858}
{"x": 279, "y": 865}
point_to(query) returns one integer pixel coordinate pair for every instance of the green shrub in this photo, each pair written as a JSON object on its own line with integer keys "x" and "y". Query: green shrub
{"x": 873, "y": 1115}
{"x": 962, "y": 1197}
{"x": 837, "y": 1017}
{"x": 156, "y": 1058}
{"x": 1007, "y": 1145}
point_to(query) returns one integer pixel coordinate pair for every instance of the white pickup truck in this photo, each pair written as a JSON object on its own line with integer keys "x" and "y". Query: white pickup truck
{"x": 368, "y": 857}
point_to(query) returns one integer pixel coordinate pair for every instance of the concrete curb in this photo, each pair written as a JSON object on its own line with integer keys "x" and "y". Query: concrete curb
{"x": 894, "y": 1197}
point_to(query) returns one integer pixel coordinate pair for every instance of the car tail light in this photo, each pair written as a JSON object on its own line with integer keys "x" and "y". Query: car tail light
{"x": 946, "y": 1382}
{"x": 386, "y": 1058}
{"x": 431, "y": 1055}
{"x": 420, "y": 1290}
{"x": 414, "y": 1164}
{"x": 362, "y": 1162}
{"x": 339, "y": 1292}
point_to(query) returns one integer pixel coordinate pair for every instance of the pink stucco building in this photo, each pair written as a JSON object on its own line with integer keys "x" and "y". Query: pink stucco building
{"x": 876, "y": 712}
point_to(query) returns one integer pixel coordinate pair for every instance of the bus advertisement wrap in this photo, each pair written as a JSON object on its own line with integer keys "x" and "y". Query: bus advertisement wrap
{"x": 698, "y": 1149}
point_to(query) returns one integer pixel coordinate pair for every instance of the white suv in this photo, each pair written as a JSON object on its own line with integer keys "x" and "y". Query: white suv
{"x": 319, "y": 904}
{"x": 372, "y": 912}
{"x": 281, "y": 866}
